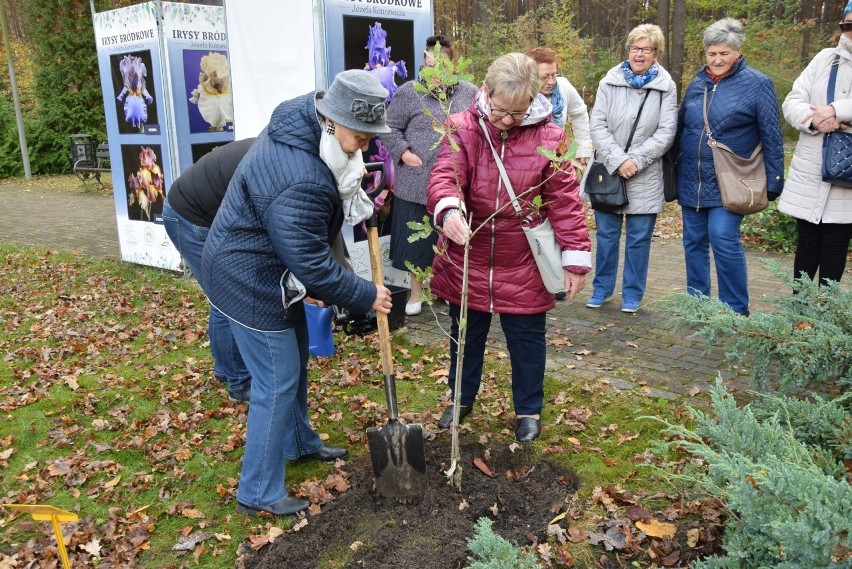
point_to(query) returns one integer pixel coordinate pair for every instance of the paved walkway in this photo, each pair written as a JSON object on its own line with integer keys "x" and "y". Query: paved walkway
{"x": 629, "y": 350}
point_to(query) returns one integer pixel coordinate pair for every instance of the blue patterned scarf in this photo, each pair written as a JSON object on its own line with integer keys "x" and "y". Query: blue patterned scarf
{"x": 639, "y": 81}
{"x": 558, "y": 103}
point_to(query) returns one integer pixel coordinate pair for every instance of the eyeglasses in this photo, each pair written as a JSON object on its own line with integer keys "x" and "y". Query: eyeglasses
{"x": 500, "y": 114}
{"x": 645, "y": 50}
{"x": 548, "y": 78}
{"x": 845, "y": 26}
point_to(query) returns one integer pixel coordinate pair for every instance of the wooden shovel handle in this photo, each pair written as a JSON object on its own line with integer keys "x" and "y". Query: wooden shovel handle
{"x": 381, "y": 317}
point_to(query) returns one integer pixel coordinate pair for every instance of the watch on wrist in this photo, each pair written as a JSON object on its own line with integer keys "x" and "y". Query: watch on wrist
{"x": 447, "y": 216}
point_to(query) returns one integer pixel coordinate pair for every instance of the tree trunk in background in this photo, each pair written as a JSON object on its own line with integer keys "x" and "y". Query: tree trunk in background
{"x": 806, "y": 16}
{"x": 584, "y": 18}
{"x": 663, "y": 22}
{"x": 678, "y": 41}
{"x": 14, "y": 19}
{"x": 628, "y": 18}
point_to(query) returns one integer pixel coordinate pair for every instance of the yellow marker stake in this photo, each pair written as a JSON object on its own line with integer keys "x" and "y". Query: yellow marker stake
{"x": 43, "y": 513}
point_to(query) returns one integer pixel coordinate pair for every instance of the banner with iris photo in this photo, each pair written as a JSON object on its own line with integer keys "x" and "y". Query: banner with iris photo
{"x": 130, "y": 65}
{"x": 385, "y": 39}
{"x": 200, "y": 74}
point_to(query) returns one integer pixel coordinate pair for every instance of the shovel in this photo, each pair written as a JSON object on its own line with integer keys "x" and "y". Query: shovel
{"x": 399, "y": 461}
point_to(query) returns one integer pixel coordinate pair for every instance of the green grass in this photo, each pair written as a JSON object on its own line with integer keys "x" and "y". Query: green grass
{"x": 110, "y": 410}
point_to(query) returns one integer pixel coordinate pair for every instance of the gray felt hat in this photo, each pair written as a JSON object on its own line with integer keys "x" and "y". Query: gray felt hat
{"x": 356, "y": 100}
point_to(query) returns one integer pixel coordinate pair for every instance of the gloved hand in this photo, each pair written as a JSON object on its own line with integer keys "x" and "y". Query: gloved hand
{"x": 772, "y": 196}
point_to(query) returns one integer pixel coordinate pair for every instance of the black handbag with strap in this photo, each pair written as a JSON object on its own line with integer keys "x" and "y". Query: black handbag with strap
{"x": 837, "y": 145}
{"x": 608, "y": 192}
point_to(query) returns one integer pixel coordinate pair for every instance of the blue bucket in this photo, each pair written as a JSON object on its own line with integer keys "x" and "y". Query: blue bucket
{"x": 320, "y": 338}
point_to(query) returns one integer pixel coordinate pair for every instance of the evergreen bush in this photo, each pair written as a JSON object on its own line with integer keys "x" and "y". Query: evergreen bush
{"x": 10, "y": 154}
{"x": 791, "y": 507}
{"x": 804, "y": 340}
{"x": 494, "y": 552}
{"x": 67, "y": 83}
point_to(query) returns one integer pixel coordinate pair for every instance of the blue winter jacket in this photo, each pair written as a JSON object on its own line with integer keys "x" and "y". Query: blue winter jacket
{"x": 742, "y": 110}
{"x": 281, "y": 212}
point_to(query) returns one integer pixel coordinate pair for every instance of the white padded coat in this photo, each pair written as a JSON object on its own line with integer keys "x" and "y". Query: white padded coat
{"x": 577, "y": 112}
{"x": 615, "y": 109}
{"x": 805, "y": 195}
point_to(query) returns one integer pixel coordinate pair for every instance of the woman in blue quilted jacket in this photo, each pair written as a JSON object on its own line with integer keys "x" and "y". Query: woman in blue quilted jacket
{"x": 742, "y": 112}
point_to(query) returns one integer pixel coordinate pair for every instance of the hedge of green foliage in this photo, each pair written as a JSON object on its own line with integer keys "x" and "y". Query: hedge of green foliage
{"x": 67, "y": 90}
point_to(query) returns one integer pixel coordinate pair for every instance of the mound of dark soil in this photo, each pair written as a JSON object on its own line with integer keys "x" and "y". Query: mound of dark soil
{"x": 361, "y": 529}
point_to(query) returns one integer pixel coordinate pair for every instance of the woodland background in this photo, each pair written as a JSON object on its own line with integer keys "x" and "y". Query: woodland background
{"x": 55, "y": 62}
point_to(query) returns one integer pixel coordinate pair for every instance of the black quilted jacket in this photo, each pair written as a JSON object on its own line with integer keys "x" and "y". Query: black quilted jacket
{"x": 281, "y": 212}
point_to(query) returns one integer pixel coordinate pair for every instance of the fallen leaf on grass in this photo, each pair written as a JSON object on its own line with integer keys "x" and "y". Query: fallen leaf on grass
{"x": 612, "y": 539}
{"x": 656, "y": 528}
{"x": 638, "y": 513}
{"x": 189, "y": 542}
{"x": 558, "y": 531}
{"x": 576, "y": 535}
{"x": 480, "y": 464}
{"x": 355, "y": 545}
{"x": 93, "y": 547}
{"x": 192, "y": 514}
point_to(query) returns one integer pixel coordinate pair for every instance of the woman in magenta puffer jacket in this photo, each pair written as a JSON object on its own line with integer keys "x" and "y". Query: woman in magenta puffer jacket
{"x": 469, "y": 200}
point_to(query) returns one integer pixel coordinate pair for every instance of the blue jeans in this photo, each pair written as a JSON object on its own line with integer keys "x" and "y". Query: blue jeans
{"x": 718, "y": 228}
{"x": 637, "y": 249}
{"x": 527, "y": 353}
{"x": 188, "y": 239}
{"x": 278, "y": 425}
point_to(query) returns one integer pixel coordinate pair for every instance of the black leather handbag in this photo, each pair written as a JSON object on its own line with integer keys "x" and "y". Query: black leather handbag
{"x": 837, "y": 145}
{"x": 608, "y": 192}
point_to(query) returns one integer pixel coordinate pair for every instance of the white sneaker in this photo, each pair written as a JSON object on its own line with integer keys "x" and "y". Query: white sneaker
{"x": 413, "y": 308}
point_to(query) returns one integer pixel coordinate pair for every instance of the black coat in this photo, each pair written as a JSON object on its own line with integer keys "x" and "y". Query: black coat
{"x": 197, "y": 194}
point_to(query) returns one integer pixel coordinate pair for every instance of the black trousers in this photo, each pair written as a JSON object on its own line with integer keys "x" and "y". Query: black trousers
{"x": 823, "y": 247}
{"x": 527, "y": 353}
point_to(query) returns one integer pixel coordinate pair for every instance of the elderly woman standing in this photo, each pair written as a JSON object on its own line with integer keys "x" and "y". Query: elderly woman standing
{"x": 742, "y": 111}
{"x": 823, "y": 211}
{"x": 510, "y": 115}
{"x": 640, "y": 82}
{"x": 412, "y": 144}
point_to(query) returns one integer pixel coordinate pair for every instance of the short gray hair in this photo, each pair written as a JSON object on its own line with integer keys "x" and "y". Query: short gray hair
{"x": 514, "y": 76}
{"x": 726, "y": 31}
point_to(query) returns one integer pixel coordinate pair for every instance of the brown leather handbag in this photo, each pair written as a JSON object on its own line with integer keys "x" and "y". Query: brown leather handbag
{"x": 742, "y": 181}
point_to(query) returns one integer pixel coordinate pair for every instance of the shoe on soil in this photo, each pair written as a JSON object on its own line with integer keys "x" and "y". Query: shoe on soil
{"x": 597, "y": 300}
{"x": 629, "y": 306}
{"x": 447, "y": 417}
{"x": 528, "y": 429}
{"x": 288, "y": 506}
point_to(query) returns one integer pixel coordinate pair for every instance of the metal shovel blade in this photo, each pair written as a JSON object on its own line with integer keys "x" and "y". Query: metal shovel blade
{"x": 399, "y": 462}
